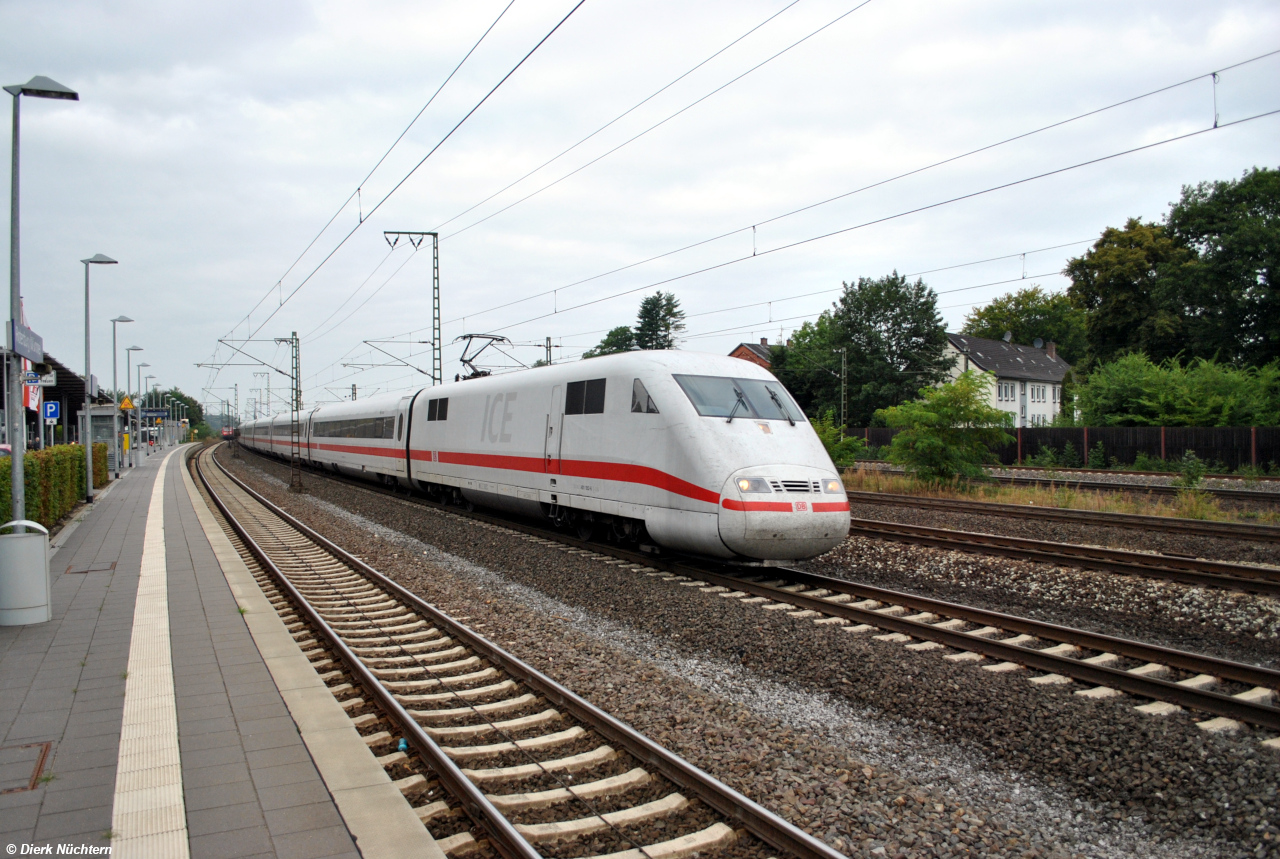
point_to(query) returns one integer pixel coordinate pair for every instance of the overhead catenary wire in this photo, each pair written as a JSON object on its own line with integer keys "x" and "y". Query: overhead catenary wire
{"x": 285, "y": 299}
{"x": 354, "y": 194}
{"x": 876, "y": 184}
{"x": 879, "y": 183}
{"x": 886, "y": 218}
{"x": 658, "y": 124}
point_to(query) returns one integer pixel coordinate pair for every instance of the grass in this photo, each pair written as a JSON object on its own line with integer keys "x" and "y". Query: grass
{"x": 1188, "y": 504}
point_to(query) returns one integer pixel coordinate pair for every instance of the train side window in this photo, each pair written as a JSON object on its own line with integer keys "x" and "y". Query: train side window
{"x": 432, "y": 406}
{"x": 584, "y": 398}
{"x": 399, "y": 426}
{"x": 442, "y": 411}
{"x": 593, "y": 400}
{"x": 574, "y": 393}
{"x": 389, "y": 427}
{"x": 641, "y": 402}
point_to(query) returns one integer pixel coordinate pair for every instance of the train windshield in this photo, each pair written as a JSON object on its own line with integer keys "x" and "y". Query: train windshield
{"x": 723, "y": 397}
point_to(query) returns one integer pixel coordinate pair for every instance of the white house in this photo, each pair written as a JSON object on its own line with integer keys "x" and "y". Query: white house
{"x": 1028, "y": 380}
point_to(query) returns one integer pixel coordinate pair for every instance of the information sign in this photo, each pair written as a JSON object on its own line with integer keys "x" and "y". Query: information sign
{"x": 31, "y": 379}
{"x": 155, "y": 413}
{"x": 25, "y": 342}
{"x": 52, "y": 410}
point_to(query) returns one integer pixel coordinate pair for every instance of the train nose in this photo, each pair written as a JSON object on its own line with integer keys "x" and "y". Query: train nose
{"x": 783, "y": 513}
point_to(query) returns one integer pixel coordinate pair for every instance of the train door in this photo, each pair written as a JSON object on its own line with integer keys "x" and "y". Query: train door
{"x": 554, "y": 432}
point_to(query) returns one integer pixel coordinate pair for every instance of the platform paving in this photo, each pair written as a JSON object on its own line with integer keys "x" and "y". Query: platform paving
{"x": 249, "y": 784}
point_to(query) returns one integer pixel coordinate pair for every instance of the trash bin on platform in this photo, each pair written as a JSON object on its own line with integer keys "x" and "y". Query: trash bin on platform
{"x": 25, "y": 588}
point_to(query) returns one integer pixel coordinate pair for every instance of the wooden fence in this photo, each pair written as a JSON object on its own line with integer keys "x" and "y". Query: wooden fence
{"x": 1233, "y": 447}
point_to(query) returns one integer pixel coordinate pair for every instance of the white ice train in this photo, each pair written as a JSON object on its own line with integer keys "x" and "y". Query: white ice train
{"x": 695, "y": 453}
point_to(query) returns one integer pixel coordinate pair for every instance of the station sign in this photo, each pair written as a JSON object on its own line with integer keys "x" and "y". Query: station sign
{"x": 49, "y": 379}
{"x": 155, "y": 413}
{"x": 24, "y": 341}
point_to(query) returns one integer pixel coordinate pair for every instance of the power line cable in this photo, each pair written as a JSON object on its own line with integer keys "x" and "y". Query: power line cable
{"x": 620, "y": 116}
{"x": 395, "y": 143}
{"x": 659, "y": 124}
{"x": 285, "y": 300}
{"x": 877, "y": 184}
{"x": 902, "y": 214}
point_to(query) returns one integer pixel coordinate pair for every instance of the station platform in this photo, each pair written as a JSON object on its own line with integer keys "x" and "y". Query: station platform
{"x": 144, "y": 718}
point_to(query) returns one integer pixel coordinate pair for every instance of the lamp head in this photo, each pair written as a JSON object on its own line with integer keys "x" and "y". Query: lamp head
{"x": 42, "y": 87}
{"x": 122, "y": 319}
{"x": 99, "y": 259}
{"x": 134, "y": 349}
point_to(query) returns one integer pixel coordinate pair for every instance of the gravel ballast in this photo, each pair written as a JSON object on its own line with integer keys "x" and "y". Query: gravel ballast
{"x": 1215, "y": 621}
{"x": 877, "y": 750}
{"x": 1233, "y": 549}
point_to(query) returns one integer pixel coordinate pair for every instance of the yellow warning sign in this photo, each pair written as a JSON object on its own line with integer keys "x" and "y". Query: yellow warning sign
{"x": 127, "y": 404}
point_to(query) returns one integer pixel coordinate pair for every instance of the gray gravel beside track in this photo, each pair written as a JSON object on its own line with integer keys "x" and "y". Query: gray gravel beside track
{"x": 1231, "y": 549}
{"x": 880, "y": 751}
{"x": 1223, "y": 623}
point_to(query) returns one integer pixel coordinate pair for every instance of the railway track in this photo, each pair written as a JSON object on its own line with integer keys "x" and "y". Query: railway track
{"x": 1063, "y": 480}
{"x": 1108, "y": 666}
{"x": 495, "y": 756}
{"x": 1188, "y": 527}
{"x": 1191, "y": 571}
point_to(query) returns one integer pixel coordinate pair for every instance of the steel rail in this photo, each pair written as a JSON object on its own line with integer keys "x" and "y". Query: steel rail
{"x": 1195, "y": 527}
{"x": 756, "y": 819}
{"x": 1101, "y": 675}
{"x": 1069, "y": 482}
{"x": 1160, "y": 690}
{"x": 502, "y": 834}
{"x": 1264, "y": 478}
{"x": 1185, "y": 570}
{"x": 1141, "y": 488}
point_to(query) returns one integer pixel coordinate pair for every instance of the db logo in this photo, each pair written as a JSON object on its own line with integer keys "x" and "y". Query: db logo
{"x": 802, "y": 506}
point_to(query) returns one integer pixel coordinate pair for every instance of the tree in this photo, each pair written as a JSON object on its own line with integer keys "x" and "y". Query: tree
{"x": 895, "y": 342}
{"x": 659, "y": 321}
{"x": 619, "y": 339}
{"x": 950, "y": 431}
{"x": 1122, "y": 284}
{"x": 1229, "y": 295}
{"x": 194, "y": 412}
{"x": 1134, "y": 391}
{"x": 1030, "y": 313}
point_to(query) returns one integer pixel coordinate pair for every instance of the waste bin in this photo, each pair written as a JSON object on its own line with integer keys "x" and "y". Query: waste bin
{"x": 25, "y": 591}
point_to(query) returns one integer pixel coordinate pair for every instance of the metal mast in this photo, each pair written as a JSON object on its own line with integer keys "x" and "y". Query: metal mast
{"x": 416, "y": 239}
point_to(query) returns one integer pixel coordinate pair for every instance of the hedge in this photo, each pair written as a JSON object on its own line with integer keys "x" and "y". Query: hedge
{"x": 54, "y": 480}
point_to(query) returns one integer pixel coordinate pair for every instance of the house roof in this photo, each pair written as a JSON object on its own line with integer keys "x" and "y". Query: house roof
{"x": 761, "y": 351}
{"x": 1010, "y": 360}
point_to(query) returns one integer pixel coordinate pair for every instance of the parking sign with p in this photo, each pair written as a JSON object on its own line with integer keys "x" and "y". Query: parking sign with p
{"x": 51, "y": 410}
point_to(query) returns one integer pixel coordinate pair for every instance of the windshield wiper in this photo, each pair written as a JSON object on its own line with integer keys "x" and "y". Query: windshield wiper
{"x": 774, "y": 396}
{"x": 734, "y": 410}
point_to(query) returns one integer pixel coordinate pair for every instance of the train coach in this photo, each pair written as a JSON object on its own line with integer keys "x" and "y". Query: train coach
{"x": 695, "y": 453}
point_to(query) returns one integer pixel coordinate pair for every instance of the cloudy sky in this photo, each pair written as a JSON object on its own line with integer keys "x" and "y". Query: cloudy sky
{"x": 214, "y": 142}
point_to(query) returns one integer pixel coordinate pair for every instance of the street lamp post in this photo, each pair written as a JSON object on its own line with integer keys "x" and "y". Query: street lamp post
{"x": 142, "y": 418}
{"x": 133, "y": 438}
{"x": 37, "y": 87}
{"x": 115, "y": 387}
{"x": 96, "y": 259}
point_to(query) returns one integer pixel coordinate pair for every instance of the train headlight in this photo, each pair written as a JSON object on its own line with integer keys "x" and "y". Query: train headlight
{"x": 832, "y": 486}
{"x": 753, "y": 484}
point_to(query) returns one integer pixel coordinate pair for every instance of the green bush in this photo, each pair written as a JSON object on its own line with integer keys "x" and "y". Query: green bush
{"x": 54, "y": 481}
{"x": 843, "y": 451}
{"x": 950, "y": 431}
{"x": 1191, "y": 470}
{"x": 1069, "y": 458}
{"x": 1098, "y": 456}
